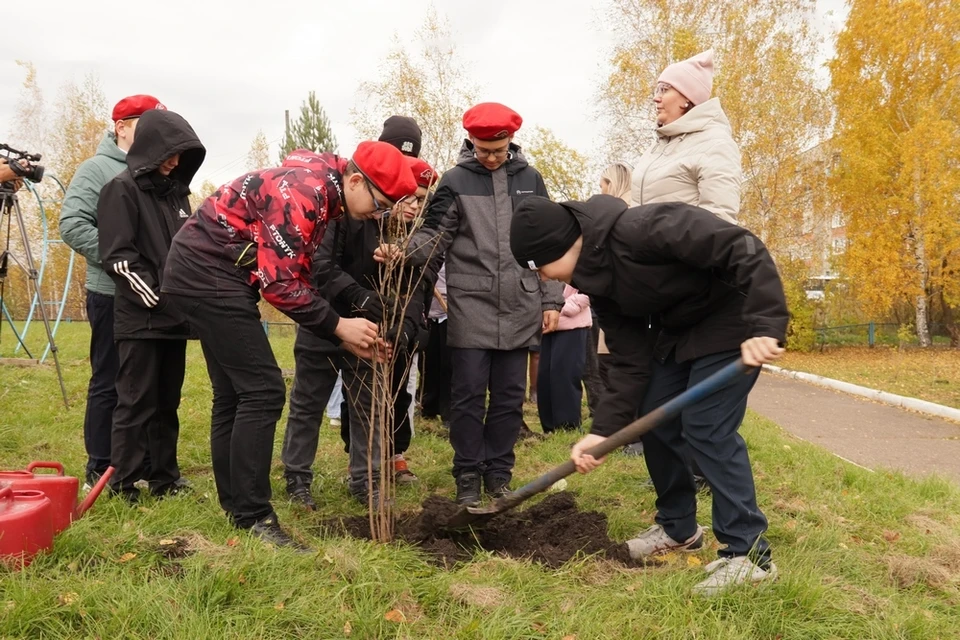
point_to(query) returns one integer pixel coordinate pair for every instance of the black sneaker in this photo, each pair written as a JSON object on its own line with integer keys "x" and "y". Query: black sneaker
{"x": 130, "y": 495}
{"x": 299, "y": 491}
{"x": 178, "y": 487}
{"x": 468, "y": 489}
{"x": 497, "y": 485}
{"x": 269, "y": 531}
{"x": 91, "y": 480}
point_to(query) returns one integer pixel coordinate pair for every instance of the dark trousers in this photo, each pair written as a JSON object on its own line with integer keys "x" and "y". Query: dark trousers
{"x": 248, "y": 398}
{"x": 145, "y": 420}
{"x": 710, "y": 430}
{"x": 102, "y": 390}
{"x": 603, "y": 365}
{"x": 437, "y": 372}
{"x": 591, "y": 371}
{"x": 483, "y": 436}
{"x": 364, "y": 450}
{"x": 559, "y": 380}
{"x": 402, "y": 433}
{"x": 314, "y": 379}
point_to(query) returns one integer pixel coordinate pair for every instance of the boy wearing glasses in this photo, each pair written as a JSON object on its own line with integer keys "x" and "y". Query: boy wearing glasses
{"x": 339, "y": 275}
{"x": 496, "y": 310}
{"x": 255, "y": 237}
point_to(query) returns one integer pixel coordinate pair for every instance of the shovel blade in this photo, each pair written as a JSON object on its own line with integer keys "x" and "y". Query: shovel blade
{"x": 474, "y": 516}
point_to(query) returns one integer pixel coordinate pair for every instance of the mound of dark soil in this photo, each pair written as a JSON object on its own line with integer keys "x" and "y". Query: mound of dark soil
{"x": 551, "y": 532}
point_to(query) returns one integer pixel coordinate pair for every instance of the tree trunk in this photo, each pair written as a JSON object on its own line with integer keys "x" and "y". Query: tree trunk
{"x": 950, "y": 321}
{"x": 920, "y": 258}
{"x": 922, "y": 305}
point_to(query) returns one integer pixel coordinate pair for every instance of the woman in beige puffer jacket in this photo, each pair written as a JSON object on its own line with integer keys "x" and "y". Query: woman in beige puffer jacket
{"x": 695, "y": 159}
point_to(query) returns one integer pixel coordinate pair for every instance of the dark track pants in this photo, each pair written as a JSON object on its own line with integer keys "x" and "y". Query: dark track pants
{"x": 482, "y": 435}
{"x": 149, "y": 382}
{"x": 102, "y": 390}
{"x": 710, "y": 430}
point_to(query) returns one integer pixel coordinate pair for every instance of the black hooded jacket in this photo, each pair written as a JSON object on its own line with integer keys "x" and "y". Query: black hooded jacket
{"x": 345, "y": 272}
{"x": 670, "y": 277}
{"x": 139, "y": 212}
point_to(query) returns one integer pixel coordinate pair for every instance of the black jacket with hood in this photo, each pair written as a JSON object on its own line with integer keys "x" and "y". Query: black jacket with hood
{"x": 670, "y": 277}
{"x": 345, "y": 273}
{"x": 139, "y": 212}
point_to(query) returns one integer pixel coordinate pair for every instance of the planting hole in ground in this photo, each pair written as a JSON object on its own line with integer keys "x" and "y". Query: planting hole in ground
{"x": 550, "y": 532}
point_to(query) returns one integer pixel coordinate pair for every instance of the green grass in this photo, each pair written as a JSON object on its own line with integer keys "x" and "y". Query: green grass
{"x": 928, "y": 374}
{"x": 861, "y": 555}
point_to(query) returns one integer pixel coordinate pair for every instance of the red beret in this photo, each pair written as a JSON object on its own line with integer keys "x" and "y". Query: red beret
{"x": 134, "y": 106}
{"x": 423, "y": 173}
{"x": 382, "y": 164}
{"x": 491, "y": 121}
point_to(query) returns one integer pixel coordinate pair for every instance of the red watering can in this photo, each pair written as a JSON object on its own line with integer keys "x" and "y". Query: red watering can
{"x": 59, "y": 488}
{"x": 26, "y": 527}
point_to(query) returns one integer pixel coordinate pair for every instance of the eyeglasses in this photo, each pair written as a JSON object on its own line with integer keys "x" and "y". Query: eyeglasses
{"x": 378, "y": 207}
{"x": 488, "y": 153}
{"x": 661, "y": 88}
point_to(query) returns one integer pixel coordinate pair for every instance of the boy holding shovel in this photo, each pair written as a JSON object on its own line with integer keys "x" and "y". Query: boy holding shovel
{"x": 680, "y": 294}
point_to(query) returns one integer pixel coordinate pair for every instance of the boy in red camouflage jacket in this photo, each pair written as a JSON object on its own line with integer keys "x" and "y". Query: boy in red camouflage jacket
{"x": 256, "y": 236}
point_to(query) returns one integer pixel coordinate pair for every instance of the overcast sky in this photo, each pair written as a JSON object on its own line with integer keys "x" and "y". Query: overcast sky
{"x": 231, "y": 67}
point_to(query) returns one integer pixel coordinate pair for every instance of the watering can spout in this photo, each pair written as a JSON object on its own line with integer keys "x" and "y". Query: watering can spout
{"x": 94, "y": 494}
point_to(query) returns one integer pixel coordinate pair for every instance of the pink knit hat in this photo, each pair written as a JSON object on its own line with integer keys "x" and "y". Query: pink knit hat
{"x": 692, "y": 77}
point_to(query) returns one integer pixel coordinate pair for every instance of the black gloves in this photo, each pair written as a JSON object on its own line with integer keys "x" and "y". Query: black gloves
{"x": 365, "y": 303}
{"x": 403, "y": 336}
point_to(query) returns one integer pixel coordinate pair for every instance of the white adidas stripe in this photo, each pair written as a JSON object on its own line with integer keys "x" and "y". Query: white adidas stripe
{"x": 150, "y": 299}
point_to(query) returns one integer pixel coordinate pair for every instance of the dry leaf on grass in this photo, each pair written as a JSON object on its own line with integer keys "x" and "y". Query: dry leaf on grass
{"x": 395, "y": 615}
{"x": 347, "y": 628}
{"x": 127, "y": 557}
{"x": 66, "y": 599}
{"x": 694, "y": 561}
{"x": 570, "y": 637}
{"x": 279, "y": 606}
{"x": 891, "y": 536}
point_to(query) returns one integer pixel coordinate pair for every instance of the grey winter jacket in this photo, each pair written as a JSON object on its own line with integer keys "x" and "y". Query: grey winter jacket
{"x": 492, "y": 302}
{"x": 78, "y": 218}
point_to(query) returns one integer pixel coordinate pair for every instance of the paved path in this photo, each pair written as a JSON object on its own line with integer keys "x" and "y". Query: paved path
{"x": 868, "y": 433}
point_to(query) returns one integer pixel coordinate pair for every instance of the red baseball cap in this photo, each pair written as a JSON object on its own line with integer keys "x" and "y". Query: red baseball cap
{"x": 382, "y": 164}
{"x": 134, "y": 106}
{"x": 423, "y": 173}
{"x": 491, "y": 121}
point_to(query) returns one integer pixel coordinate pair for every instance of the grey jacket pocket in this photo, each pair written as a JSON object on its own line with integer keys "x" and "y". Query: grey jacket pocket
{"x": 466, "y": 282}
{"x": 530, "y": 285}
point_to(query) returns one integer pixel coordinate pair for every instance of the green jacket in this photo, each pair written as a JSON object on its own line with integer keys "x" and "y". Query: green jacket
{"x": 78, "y": 217}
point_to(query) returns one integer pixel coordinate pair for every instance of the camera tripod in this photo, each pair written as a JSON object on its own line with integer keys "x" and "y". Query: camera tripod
{"x": 10, "y": 206}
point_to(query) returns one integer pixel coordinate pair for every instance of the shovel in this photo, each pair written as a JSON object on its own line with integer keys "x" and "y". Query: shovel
{"x": 473, "y": 516}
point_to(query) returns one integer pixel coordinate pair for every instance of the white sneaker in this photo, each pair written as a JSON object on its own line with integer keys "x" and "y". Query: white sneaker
{"x": 727, "y": 572}
{"x": 655, "y": 541}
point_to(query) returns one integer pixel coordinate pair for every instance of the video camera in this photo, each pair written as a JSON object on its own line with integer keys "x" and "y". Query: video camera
{"x": 22, "y": 163}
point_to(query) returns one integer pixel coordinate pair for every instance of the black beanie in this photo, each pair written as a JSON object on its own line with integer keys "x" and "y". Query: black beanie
{"x": 541, "y": 232}
{"x": 403, "y": 133}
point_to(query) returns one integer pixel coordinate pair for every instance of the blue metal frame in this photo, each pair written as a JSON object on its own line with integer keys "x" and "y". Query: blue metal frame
{"x": 40, "y": 263}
